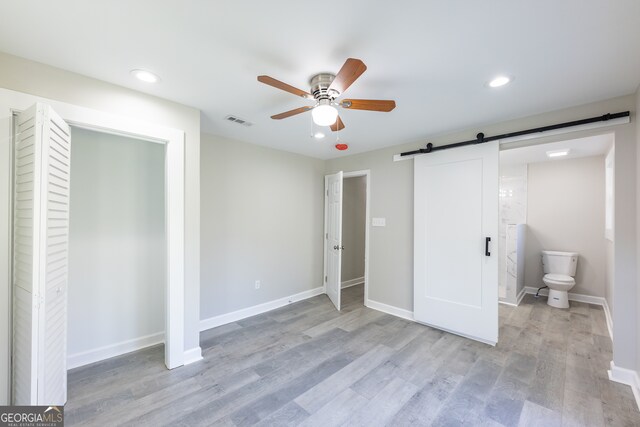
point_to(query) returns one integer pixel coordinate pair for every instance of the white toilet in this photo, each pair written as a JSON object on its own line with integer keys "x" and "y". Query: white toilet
{"x": 559, "y": 269}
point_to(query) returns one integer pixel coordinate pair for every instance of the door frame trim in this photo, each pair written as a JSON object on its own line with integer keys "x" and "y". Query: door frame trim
{"x": 352, "y": 174}
{"x": 325, "y": 197}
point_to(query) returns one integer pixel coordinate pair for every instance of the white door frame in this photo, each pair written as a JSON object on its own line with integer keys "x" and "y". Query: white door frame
{"x": 12, "y": 102}
{"x": 366, "y": 173}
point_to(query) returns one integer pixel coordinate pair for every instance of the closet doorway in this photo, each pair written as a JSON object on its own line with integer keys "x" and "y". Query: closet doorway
{"x": 15, "y": 104}
{"x": 117, "y": 244}
{"x": 354, "y": 226}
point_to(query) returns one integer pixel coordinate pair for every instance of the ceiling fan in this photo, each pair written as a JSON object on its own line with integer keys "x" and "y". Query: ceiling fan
{"x": 325, "y": 89}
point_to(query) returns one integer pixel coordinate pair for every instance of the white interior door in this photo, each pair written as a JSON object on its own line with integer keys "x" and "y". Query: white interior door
{"x": 333, "y": 236}
{"x": 455, "y": 266}
{"x": 41, "y": 230}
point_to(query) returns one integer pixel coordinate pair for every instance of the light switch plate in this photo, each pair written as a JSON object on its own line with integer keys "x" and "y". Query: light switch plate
{"x": 378, "y": 222}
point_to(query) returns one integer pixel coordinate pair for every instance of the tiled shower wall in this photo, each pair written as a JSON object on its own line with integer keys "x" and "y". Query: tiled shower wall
{"x": 513, "y": 210}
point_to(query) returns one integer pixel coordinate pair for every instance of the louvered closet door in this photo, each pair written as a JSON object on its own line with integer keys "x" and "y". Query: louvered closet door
{"x": 25, "y": 313}
{"x": 41, "y": 230}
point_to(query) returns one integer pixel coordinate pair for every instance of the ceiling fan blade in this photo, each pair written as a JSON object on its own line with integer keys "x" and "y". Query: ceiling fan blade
{"x": 291, "y": 113}
{"x": 283, "y": 86}
{"x": 368, "y": 104}
{"x": 338, "y": 125}
{"x": 350, "y": 71}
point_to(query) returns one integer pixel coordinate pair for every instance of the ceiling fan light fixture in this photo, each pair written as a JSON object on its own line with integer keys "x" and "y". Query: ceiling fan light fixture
{"x": 324, "y": 115}
{"x": 326, "y": 88}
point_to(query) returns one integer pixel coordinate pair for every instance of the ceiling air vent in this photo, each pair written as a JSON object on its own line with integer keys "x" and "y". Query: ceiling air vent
{"x": 238, "y": 120}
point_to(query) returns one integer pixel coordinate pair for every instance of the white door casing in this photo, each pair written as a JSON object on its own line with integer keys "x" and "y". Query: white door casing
{"x": 41, "y": 235}
{"x": 455, "y": 211}
{"x": 333, "y": 236}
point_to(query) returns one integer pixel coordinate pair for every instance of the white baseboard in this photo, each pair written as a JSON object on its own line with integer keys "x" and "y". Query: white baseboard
{"x": 192, "y": 355}
{"x": 86, "y": 357}
{"x": 628, "y": 377}
{"x": 518, "y": 299}
{"x": 507, "y": 303}
{"x": 582, "y": 298}
{"x": 572, "y": 297}
{"x": 389, "y": 309}
{"x": 234, "y": 316}
{"x": 352, "y": 282}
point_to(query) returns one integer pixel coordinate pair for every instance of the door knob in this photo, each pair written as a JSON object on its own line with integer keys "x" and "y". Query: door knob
{"x": 336, "y": 247}
{"x": 342, "y": 248}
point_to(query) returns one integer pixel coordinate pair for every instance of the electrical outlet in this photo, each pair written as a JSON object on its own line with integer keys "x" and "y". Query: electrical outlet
{"x": 257, "y": 284}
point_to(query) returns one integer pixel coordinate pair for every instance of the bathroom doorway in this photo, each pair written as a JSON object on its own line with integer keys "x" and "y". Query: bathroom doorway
{"x": 557, "y": 196}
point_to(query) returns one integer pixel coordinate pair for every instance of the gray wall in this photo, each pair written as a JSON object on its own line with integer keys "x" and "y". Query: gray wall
{"x": 354, "y": 199}
{"x": 391, "y": 192}
{"x": 625, "y": 268}
{"x": 609, "y": 278}
{"x": 609, "y": 246}
{"x": 116, "y": 240}
{"x": 638, "y": 230}
{"x": 565, "y": 212}
{"x": 263, "y": 220}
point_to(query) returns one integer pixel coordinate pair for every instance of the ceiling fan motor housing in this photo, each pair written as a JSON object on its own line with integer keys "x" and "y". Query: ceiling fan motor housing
{"x": 320, "y": 87}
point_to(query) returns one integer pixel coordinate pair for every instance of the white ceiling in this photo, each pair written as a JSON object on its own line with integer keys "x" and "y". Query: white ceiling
{"x": 432, "y": 57}
{"x": 581, "y": 147}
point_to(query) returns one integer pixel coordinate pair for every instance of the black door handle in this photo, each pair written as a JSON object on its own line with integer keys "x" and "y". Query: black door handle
{"x": 486, "y": 246}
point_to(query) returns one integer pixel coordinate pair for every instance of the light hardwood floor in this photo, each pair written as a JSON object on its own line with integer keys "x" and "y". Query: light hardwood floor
{"x": 307, "y": 364}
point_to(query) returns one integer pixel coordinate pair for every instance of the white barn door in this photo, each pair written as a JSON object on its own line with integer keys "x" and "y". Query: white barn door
{"x": 455, "y": 240}
{"x": 333, "y": 237}
{"x": 41, "y": 231}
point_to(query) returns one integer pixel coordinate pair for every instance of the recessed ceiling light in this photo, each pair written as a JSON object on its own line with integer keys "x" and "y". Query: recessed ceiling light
{"x": 145, "y": 76}
{"x": 499, "y": 81}
{"x": 558, "y": 153}
{"x": 318, "y": 135}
